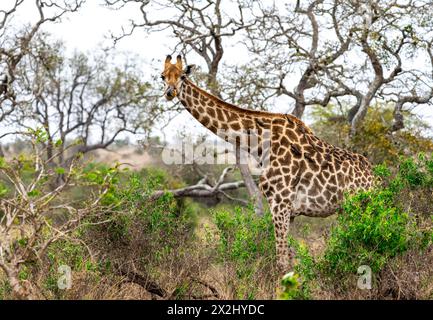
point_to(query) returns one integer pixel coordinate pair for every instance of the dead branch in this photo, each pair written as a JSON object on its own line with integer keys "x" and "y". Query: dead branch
{"x": 142, "y": 280}
{"x": 203, "y": 189}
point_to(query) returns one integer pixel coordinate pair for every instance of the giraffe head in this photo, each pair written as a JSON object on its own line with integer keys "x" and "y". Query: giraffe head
{"x": 173, "y": 76}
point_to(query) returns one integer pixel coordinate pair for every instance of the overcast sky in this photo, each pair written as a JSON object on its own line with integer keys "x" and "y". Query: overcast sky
{"x": 90, "y": 29}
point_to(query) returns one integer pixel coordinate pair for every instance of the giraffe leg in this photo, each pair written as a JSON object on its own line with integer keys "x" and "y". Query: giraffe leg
{"x": 281, "y": 217}
{"x": 281, "y": 220}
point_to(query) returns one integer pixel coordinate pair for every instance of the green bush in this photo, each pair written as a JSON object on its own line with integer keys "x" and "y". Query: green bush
{"x": 150, "y": 230}
{"x": 162, "y": 218}
{"x": 72, "y": 254}
{"x": 245, "y": 242}
{"x": 374, "y": 226}
{"x": 370, "y": 230}
{"x": 415, "y": 173}
{"x": 244, "y": 236}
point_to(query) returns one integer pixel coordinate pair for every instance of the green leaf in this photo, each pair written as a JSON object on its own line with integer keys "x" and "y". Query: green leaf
{"x": 60, "y": 170}
{"x": 58, "y": 143}
{"x": 3, "y": 190}
{"x": 34, "y": 193}
{"x": 2, "y": 163}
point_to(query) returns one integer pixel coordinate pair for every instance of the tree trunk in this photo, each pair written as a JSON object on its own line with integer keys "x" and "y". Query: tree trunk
{"x": 253, "y": 191}
{"x": 299, "y": 109}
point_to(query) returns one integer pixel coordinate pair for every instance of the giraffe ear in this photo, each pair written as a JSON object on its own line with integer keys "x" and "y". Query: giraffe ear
{"x": 167, "y": 61}
{"x": 190, "y": 69}
{"x": 179, "y": 63}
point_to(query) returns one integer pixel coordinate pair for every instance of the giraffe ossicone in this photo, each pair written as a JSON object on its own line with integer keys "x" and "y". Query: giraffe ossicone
{"x": 303, "y": 175}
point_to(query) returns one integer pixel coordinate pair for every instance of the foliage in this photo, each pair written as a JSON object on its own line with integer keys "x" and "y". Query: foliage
{"x": 373, "y": 137}
{"x": 370, "y": 230}
{"x": 247, "y": 242}
{"x": 154, "y": 234}
{"x": 68, "y": 253}
{"x": 415, "y": 173}
{"x": 290, "y": 284}
{"x": 374, "y": 226}
{"x": 5, "y": 289}
{"x": 243, "y": 235}
{"x": 161, "y": 218}
{"x": 34, "y": 212}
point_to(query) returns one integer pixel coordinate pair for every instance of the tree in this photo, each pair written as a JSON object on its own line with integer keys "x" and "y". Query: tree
{"x": 373, "y": 137}
{"x": 15, "y": 43}
{"x": 355, "y": 52}
{"x": 80, "y": 100}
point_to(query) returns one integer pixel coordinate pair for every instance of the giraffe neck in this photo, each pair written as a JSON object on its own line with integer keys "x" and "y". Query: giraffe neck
{"x": 263, "y": 130}
{"x": 229, "y": 122}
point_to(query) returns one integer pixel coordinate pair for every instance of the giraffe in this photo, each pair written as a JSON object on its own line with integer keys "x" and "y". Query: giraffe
{"x": 304, "y": 175}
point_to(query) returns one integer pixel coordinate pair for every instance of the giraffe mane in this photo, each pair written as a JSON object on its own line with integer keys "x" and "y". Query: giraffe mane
{"x": 249, "y": 111}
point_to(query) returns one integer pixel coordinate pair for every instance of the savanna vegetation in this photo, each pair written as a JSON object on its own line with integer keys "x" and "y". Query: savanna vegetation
{"x": 87, "y": 212}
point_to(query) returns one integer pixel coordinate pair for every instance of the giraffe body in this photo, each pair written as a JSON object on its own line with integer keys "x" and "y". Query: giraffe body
{"x": 304, "y": 175}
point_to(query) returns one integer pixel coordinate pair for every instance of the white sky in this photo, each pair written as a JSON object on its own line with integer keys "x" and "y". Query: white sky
{"x": 90, "y": 29}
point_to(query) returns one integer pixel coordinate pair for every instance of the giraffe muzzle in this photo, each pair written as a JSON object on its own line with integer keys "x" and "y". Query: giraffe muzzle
{"x": 171, "y": 93}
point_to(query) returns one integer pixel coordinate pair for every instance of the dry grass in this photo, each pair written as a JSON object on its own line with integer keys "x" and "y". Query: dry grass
{"x": 86, "y": 287}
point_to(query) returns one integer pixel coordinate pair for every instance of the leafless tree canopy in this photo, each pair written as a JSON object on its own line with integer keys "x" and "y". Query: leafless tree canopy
{"x": 80, "y": 99}
{"x": 75, "y": 99}
{"x": 352, "y": 52}
{"x": 199, "y": 26}
{"x": 15, "y": 43}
